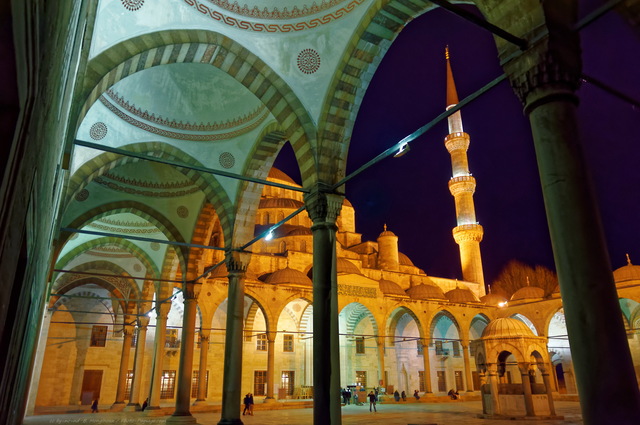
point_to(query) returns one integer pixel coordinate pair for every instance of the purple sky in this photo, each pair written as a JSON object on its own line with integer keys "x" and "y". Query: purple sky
{"x": 410, "y": 193}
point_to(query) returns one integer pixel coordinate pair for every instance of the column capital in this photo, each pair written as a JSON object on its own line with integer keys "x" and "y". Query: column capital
{"x": 143, "y": 321}
{"x": 162, "y": 310}
{"x": 323, "y": 206}
{"x": 237, "y": 261}
{"x": 127, "y": 330}
{"x": 524, "y": 367}
{"x": 191, "y": 290}
{"x": 203, "y": 337}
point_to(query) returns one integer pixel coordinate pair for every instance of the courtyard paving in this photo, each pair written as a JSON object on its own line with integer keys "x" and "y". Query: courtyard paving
{"x": 457, "y": 413}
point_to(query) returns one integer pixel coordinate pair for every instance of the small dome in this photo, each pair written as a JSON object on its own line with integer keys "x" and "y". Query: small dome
{"x": 299, "y": 231}
{"x": 528, "y": 293}
{"x": 386, "y": 233}
{"x": 404, "y": 260}
{"x": 425, "y": 292}
{"x": 280, "y": 203}
{"x": 628, "y": 272}
{"x": 461, "y": 295}
{"x": 277, "y": 174}
{"x": 346, "y": 203}
{"x": 506, "y": 328}
{"x": 288, "y": 276}
{"x": 391, "y": 288}
{"x": 346, "y": 266}
{"x": 493, "y": 299}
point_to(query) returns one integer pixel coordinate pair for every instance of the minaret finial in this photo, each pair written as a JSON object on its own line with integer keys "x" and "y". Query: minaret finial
{"x": 629, "y": 260}
{"x": 452, "y": 94}
{"x": 385, "y": 227}
{"x": 528, "y": 283}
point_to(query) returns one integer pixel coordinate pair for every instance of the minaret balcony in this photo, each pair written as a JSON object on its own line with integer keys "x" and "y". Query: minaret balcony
{"x": 462, "y": 184}
{"x": 456, "y": 141}
{"x": 468, "y": 233}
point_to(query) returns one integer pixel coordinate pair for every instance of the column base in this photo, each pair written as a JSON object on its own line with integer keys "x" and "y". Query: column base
{"x": 182, "y": 420}
{"x": 230, "y": 422}
{"x": 131, "y": 407}
{"x": 270, "y": 400}
{"x": 200, "y": 403}
{"x": 153, "y": 411}
{"x": 118, "y": 406}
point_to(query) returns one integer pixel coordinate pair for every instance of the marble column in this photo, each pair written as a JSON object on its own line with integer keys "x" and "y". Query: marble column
{"x": 138, "y": 365}
{"x": 548, "y": 389}
{"x": 158, "y": 356}
{"x": 323, "y": 209}
{"x": 271, "y": 366}
{"x": 237, "y": 263}
{"x": 202, "y": 368}
{"x": 546, "y": 78}
{"x": 427, "y": 368}
{"x": 467, "y": 365}
{"x": 182, "y": 414}
{"x": 124, "y": 361}
{"x": 492, "y": 369}
{"x": 380, "y": 343}
{"x": 526, "y": 388}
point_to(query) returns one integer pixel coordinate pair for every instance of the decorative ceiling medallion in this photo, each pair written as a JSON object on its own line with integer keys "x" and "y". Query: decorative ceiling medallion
{"x": 155, "y": 246}
{"x": 98, "y": 131}
{"x": 127, "y": 230}
{"x": 183, "y": 212}
{"x": 308, "y": 61}
{"x": 227, "y": 160}
{"x": 137, "y": 268}
{"x": 83, "y": 195}
{"x": 275, "y": 14}
{"x": 132, "y": 5}
{"x": 159, "y": 194}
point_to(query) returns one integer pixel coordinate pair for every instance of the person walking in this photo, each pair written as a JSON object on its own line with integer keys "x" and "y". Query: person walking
{"x": 372, "y": 401}
{"x": 404, "y": 396}
{"x": 145, "y": 404}
{"x": 94, "y": 406}
{"x": 245, "y": 401}
{"x": 251, "y": 404}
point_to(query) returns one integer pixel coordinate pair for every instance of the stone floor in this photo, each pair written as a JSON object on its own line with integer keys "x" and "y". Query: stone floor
{"x": 457, "y": 413}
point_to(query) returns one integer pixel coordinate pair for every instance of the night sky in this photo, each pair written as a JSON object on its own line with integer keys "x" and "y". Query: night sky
{"x": 410, "y": 193}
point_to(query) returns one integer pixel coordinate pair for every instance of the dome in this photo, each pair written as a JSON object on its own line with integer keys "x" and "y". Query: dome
{"x": 280, "y": 203}
{"x": 346, "y": 203}
{"x": 391, "y": 288}
{"x": 404, "y": 260}
{"x": 628, "y": 272}
{"x": 528, "y": 293}
{"x": 506, "y": 327}
{"x": 277, "y": 174}
{"x": 346, "y": 266}
{"x": 386, "y": 233}
{"x": 461, "y": 295}
{"x": 300, "y": 231}
{"x": 288, "y": 276}
{"x": 426, "y": 292}
{"x": 493, "y": 300}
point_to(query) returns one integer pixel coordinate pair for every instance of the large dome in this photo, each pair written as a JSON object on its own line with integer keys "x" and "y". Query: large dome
{"x": 276, "y": 174}
{"x": 625, "y": 273}
{"x": 528, "y": 293}
{"x": 506, "y": 327}
{"x": 493, "y": 299}
{"x": 280, "y": 203}
{"x": 461, "y": 295}
{"x": 344, "y": 267}
{"x": 391, "y": 288}
{"x": 288, "y": 276}
{"x": 426, "y": 292}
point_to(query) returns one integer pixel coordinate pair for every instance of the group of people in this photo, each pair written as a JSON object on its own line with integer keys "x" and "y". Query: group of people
{"x": 248, "y": 404}
{"x": 397, "y": 396}
{"x": 453, "y": 394}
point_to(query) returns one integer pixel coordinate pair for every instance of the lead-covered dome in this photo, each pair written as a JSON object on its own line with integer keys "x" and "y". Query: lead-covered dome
{"x": 506, "y": 327}
{"x": 528, "y": 293}
{"x": 461, "y": 295}
{"x": 388, "y": 287}
{"x": 426, "y": 292}
{"x": 628, "y": 272}
{"x": 288, "y": 276}
{"x": 493, "y": 300}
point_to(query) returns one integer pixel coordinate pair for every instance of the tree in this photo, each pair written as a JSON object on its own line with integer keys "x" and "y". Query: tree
{"x": 516, "y": 275}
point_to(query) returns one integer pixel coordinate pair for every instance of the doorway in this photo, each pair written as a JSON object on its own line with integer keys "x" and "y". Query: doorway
{"x": 91, "y": 383}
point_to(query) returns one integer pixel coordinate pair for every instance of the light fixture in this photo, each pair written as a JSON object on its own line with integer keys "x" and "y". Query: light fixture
{"x": 404, "y": 148}
{"x": 269, "y": 236}
{"x": 502, "y": 304}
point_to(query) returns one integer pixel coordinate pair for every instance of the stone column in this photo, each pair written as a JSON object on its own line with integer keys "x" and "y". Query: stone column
{"x": 202, "y": 368}
{"x": 546, "y": 78}
{"x": 427, "y": 368}
{"x": 158, "y": 356}
{"x": 467, "y": 365}
{"x": 323, "y": 209}
{"x": 124, "y": 361}
{"x": 237, "y": 263}
{"x": 526, "y": 388}
{"x": 138, "y": 365}
{"x": 182, "y": 414}
{"x": 492, "y": 369}
{"x": 548, "y": 389}
{"x": 271, "y": 366}
{"x": 380, "y": 343}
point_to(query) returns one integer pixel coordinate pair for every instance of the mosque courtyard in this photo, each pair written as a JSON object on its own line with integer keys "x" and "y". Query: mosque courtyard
{"x": 454, "y": 413}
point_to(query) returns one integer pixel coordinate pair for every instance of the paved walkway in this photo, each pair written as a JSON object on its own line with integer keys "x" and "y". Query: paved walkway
{"x": 457, "y": 413}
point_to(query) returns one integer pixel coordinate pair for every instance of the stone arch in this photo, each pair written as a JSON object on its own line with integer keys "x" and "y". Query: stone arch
{"x": 524, "y": 319}
{"x": 476, "y": 324}
{"x": 201, "y": 236}
{"x": 393, "y": 320}
{"x": 440, "y": 315}
{"x": 108, "y": 284}
{"x": 207, "y": 183}
{"x": 206, "y": 47}
{"x": 144, "y": 211}
{"x": 354, "y": 313}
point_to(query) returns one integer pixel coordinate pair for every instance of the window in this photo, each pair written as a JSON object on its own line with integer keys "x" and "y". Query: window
{"x": 261, "y": 342}
{"x": 439, "y": 350}
{"x": 476, "y": 380}
{"x": 360, "y": 345}
{"x": 128, "y": 383}
{"x": 361, "y": 378}
{"x": 167, "y": 384}
{"x": 458, "y": 378}
{"x": 134, "y": 338}
{"x": 419, "y": 347}
{"x": 442, "y": 382}
{"x": 456, "y": 348}
{"x": 287, "y": 343}
{"x": 472, "y": 350}
{"x": 194, "y": 384}
{"x": 171, "y": 339}
{"x": 260, "y": 382}
{"x": 287, "y": 381}
{"x": 421, "y": 382}
{"x": 99, "y": 336}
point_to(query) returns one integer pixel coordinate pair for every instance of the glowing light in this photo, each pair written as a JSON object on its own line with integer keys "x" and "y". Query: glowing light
{"x": 404, "y": 148}
{"x": 502, "y": 304}
{"x": 269, "y": 236}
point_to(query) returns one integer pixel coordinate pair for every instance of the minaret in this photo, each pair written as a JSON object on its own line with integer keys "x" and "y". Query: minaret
{"x": 468, "y": 233}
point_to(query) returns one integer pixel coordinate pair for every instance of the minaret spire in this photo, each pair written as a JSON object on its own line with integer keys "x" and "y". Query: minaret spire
{"x": 468, "y": 233}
